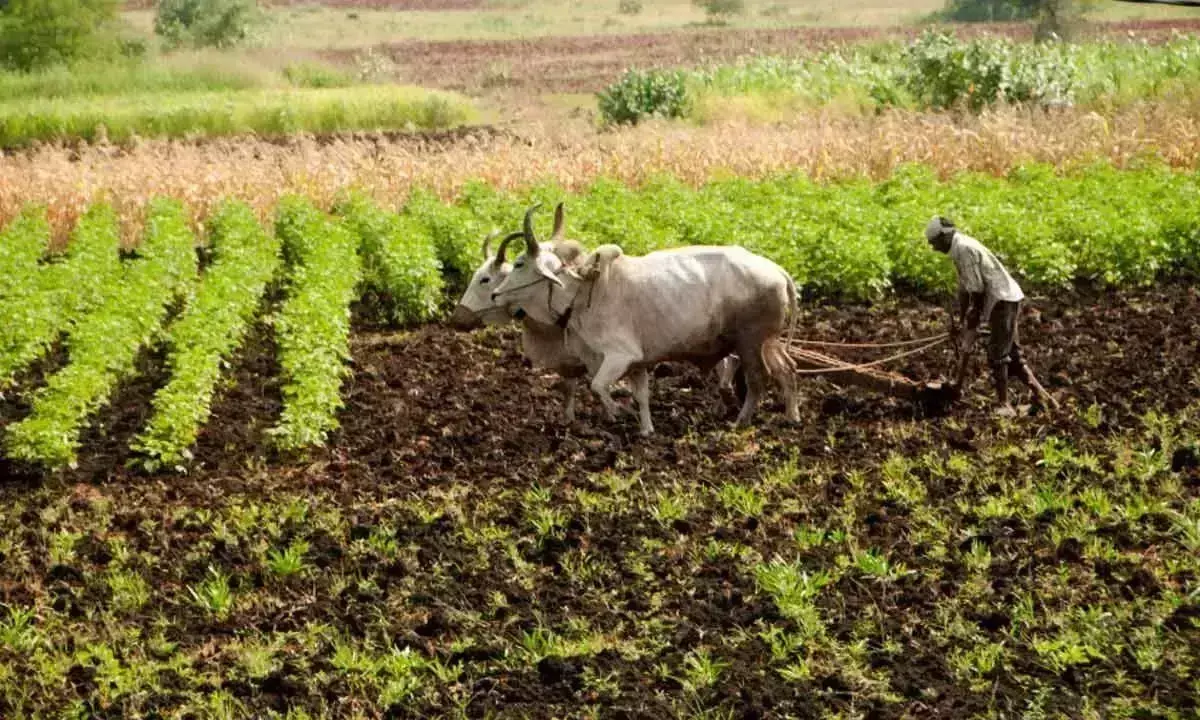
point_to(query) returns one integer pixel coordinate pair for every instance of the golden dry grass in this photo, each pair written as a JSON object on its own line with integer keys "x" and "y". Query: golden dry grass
{"x": 825, "y": 145}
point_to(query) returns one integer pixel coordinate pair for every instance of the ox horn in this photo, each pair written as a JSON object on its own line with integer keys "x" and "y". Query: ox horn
{"x": 531, "y": 244}
{"x": 504, "y": 246}
{"x": 558, "y": 224}
{"x": 487, "y": 243}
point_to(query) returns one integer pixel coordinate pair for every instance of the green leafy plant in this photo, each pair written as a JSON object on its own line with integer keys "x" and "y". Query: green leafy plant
{"x": 22, "y": 244}
{"x": 638, "y": 95}
{"x": 39, "y": 33}
{"x": 312, "y": 327}
{"x": 400, "y": 263}
{"x": 103, "y": 346}
{"x": 209, "y": 331}
{"x": 57, "y": 294}
{"x": 206, "y": 23}
{"x": 214, "y": 594}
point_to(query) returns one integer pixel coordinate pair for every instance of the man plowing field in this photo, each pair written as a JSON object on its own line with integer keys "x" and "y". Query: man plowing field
{"x": 985, "y": 290}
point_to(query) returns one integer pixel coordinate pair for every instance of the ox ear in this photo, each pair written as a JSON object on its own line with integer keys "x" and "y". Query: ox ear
{"x": 542, "y": 265}
{"x": 558, "y": 224}
{"x": 487, "y": 243}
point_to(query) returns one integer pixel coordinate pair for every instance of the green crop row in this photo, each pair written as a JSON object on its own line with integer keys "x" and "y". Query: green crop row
{"x": 209, "y": 331}
{"x": 856, "y": 240}
{"x": 400, "y": 260}
{"x": 57, "y": 293}
{"x": 312, "y": 327}
{"x": 103, "y": 345}
{"x": 22, "y": 245}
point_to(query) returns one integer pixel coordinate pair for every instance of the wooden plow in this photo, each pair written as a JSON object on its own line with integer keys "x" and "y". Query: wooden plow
{"x": 935, "y": 396}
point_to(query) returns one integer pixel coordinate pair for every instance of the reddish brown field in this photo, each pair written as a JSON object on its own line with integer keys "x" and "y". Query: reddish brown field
{"x": 588, "y": 63}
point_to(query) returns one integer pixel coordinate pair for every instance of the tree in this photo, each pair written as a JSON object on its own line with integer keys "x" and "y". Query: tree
{"x": 37, "y": 33}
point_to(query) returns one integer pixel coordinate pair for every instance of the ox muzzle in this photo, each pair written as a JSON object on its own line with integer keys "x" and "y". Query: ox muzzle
{"x": 464, "y": 318}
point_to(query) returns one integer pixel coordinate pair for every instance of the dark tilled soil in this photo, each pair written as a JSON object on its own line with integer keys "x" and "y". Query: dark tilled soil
{"x": 444, "y": 433}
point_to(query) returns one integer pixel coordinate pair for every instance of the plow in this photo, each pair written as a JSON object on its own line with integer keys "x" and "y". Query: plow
{"x": 930, "y": 396}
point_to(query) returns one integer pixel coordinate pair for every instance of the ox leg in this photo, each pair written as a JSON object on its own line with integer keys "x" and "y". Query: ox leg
{"x": 756, "y": 375}
{"x": 611, "y": 369}
{"x": 641, "y": 392}
{"x": 781, "y": 369}
{"x": 568, "y": 390}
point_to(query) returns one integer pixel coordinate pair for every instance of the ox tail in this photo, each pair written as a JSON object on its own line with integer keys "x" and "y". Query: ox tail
{"x": 793, "y": 307}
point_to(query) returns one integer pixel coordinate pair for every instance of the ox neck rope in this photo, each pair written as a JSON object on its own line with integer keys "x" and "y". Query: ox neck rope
{"x": 565, "y": 317}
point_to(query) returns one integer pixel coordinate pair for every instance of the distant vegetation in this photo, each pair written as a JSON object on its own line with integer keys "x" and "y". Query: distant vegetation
{"x": 935, "y": 71}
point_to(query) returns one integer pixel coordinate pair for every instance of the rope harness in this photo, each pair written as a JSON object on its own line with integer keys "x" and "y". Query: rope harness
{"x": 925, "y": 344}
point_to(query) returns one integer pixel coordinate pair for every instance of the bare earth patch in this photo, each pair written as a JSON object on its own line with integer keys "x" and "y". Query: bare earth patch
{"x": 589, "y": 63}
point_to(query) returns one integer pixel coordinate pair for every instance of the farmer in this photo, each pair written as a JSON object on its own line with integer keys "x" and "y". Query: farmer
{"x": 985, "y": 290}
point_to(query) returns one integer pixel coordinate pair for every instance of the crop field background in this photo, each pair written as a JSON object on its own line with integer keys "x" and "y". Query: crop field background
{"x": 248, "y": 470}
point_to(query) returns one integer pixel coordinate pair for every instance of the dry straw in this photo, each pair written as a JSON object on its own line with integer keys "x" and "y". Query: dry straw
{"x": 826, "y": 145}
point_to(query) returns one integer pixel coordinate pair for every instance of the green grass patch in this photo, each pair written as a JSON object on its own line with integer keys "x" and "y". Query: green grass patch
{"x": 266, "y": 111}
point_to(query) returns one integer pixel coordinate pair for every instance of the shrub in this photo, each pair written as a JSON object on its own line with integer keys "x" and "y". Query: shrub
{"x": 640, "y": 94}
{"x": 719, "y": 11}
{"x": 38, "y": 33}
{"x": 943, "y": 72}
{"x": 630, "y": 7}
{"x": 206, "y": 23}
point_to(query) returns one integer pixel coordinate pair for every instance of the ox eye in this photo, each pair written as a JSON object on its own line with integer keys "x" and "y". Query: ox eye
{"x": 485, "y": 281}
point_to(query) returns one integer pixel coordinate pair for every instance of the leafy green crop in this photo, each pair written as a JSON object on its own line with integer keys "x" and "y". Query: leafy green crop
{"x": 400, "y": 263}
{"x": 104, "y": 344}
{"x": 21, "y": 246}
{"x": 209, "y": 331}
{"x": 857, "y": 239}
{"x": 313, "y": 326}
{"x": 60, "y": 292}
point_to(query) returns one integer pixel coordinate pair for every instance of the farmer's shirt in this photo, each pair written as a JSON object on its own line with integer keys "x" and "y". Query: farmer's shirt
{"x": 980, "y": 272}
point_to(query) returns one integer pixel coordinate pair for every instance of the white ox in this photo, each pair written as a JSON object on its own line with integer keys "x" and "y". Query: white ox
{"x": 697, "y": 304}
{"x": 541, "y": 343}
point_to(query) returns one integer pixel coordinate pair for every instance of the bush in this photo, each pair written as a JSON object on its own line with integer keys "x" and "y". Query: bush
{"x": 206, "y": 23}
{"x": 639, "y": 94}
{"x": 720, "y": 10}
{"x": 630, "y": 7}
{"x": 1053, "y": 16}
{"x": 943, "y": 72}
{"x": 39, "y": 33}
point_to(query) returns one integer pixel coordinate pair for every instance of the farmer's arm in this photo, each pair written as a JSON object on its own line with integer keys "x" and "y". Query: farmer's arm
{"x": 972, "y": 309}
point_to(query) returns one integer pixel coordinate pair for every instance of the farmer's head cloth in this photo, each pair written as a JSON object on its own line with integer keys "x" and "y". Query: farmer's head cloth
{"x": 937, "y": 226}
